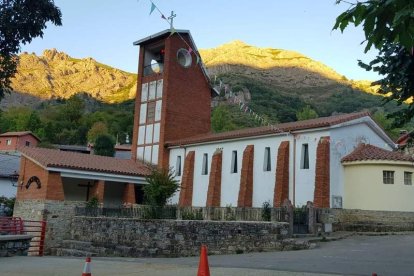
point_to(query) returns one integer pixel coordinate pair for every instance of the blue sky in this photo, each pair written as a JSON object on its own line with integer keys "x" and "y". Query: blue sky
{"x": 105, "y": 29}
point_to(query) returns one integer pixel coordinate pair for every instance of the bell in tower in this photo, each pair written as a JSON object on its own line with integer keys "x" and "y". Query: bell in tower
{"x": 173, "y": 99}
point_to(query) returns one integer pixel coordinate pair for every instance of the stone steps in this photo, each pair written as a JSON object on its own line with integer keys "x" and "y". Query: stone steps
{"x": 73, "y": 252}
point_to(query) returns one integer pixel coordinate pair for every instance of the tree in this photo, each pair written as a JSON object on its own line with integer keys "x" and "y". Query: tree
{"x": 221, "y": 120}
{"x": 389, "y": 27}
{"x": 306, "y": 113}
{"x": 161, "y": 186}
{"x": 104, "y": 145}
{"x": 20, "y": 22}
{"x": 98, "y": 128}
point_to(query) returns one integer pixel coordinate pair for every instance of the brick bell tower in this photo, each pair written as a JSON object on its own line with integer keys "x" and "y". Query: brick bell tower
{"x": 173, "y": 99}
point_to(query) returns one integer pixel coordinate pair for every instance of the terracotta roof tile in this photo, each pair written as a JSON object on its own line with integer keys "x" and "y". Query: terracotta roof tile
{"x": 285, "y": 127}
{"x": 369, "y": 152}
{"x": 18, "y": 133}
{"x": 52, "y": 158}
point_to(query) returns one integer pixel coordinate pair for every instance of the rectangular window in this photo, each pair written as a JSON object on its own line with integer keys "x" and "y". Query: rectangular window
{"x": 8, "y": 142}
{"x": 178, "y": 166}
{"x": 27, "y": 144}
{"x": 388, "y": 177}
{"x": 234, "y": 161}
{"x": 151, "y": 112}
{"x": 204, "y": 170}
{"x": 408, "y": 178}
{"x": 304, "y": 164}
{"x": 267, "y": 167}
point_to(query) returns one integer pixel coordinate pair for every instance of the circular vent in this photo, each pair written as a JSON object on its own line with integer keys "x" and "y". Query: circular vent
{"x": 184, "y": 58}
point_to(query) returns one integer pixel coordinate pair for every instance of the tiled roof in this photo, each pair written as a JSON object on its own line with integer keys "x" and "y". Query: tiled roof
{"x": 369, "y": 152}
{"x": 18, "y": 133}
{"x": 258, "y": 131}
{"x": 52, "y": 158}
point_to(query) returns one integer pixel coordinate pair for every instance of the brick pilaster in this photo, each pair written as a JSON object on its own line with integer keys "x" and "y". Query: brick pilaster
{"x": 129, "y": 194}
{"x": 322, "y": 177}
{"x": 246, "y": 178}
{"x": 282, "y": 175}
{"x": 214, "y": 184}
{"x": 186, "y": 192}
{"x": 55, "y": 187}
{"x": 98, "y": 190}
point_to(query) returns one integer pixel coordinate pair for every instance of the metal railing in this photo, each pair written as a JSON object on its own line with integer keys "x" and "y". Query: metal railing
{"x": 185, "y": 213}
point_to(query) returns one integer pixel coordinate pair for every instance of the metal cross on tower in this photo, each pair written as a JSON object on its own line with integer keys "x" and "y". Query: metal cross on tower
{"x": 171, "y": 19}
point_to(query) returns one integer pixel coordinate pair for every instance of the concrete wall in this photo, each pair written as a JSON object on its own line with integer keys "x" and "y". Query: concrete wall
{"x": 364, "y": 187}
{"x": 167, "y": 238}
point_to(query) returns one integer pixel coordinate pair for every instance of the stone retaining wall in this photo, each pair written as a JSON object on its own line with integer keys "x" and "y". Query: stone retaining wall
{"x": 368, "y": 221}
{"x": 14, "y": 245}
{"x": 57, "y": 214}
{"x": 175, "y": 238}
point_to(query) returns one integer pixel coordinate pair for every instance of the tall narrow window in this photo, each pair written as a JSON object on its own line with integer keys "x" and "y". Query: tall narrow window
{"x": 304, "y": 164}
{"x": 408, "y": 178}
{"x": 204, "y": 170}
{"x": 178, "y": 166}
{"x": 267, "y": 167}
{"x": 8, "y": 142}
{"x": 234, "y": 161}
{"x": 388, "y": 177}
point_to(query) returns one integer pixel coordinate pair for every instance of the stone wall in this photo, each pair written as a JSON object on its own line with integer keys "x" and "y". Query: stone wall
{"x": 14, "y": 245}
{"x": 174, "y": 238}
{"x": 57, "y": 214}
{"x": 368, "y": 221}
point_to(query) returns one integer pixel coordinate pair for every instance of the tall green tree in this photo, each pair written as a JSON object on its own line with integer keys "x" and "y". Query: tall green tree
{"x": 389, "y": 27}
{"x": 20, "y": 22}
{"x": 104, "y": 145}
{"x": 306, "y": 113}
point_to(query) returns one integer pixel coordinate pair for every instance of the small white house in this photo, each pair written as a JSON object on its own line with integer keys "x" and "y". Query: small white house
{"x": 378, "y": 179}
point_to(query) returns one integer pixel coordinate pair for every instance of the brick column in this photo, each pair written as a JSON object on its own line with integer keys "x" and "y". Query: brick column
{"x": 186, "y": 192}
{"x": 246, "y": 178}
{"x": 98, "y": 190}
{"x": 322, "y": 177}
{"x": 129, "y": 194}
{"x": 214, "y": 184}
{"x": 282, "y": 175}
{"x": 55, "y": 187}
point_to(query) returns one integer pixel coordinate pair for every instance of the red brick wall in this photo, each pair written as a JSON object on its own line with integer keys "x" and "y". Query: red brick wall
{"x": 322, "y": 177}
{"x": 186, "y": 101}
{"x": 282, "y": 175}
{"x": 246, "y": 178}
{"x": 214, "y": 184}
{"x": 129, "y": 194}
{"x": 51, "y": 183}
{"x": 98, "y": 190}
{"x": 187, "y": 181}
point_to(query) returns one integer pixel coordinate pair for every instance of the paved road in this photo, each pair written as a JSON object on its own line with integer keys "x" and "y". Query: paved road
{"x": 358, "y": 255}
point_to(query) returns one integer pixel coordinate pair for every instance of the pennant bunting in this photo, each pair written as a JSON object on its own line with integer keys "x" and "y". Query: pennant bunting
{"x": 153, "y": 7}
{"x": 190, "y": 50}
{"x": 163, "y": 17}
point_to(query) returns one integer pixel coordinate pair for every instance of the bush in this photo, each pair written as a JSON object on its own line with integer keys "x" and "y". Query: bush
{"x": 92, "y": 203}
{"x": 161, "y": 186}
{"x": 9, "y": 204}
{"x": 266, "y": 211}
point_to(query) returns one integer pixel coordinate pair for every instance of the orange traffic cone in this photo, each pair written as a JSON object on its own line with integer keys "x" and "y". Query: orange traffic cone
{"x": 87, "y": 267}
{"x": 203, "y": 269}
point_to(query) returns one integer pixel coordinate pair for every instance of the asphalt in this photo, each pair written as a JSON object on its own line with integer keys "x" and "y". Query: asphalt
{"x": 353, "y": 255}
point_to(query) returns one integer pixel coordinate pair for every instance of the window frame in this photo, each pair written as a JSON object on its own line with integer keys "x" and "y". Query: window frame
{"x": 204, "y": 168}
{"x": 234, "y": 167}
{"x": 8, "y": 142}
{"x": 388, "y": 177}
{"x": 406, "y": 178}
{"x": 267, "y": 162}
{"x": 304, "y": 161}
{"x": 178, "y": 166}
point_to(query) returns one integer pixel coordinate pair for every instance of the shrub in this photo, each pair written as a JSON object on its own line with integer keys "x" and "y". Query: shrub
{"x": 266, "y": 211}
